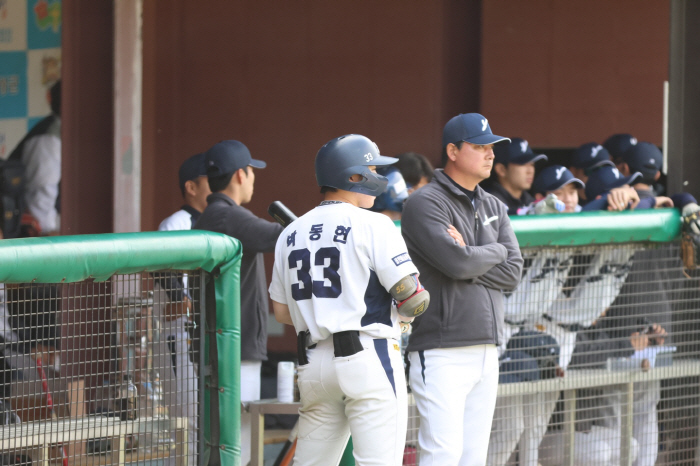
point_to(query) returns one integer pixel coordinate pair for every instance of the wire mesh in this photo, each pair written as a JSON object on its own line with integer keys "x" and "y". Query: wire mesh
{"x": 101, "y": 373}
{"x": 600, "y": 361}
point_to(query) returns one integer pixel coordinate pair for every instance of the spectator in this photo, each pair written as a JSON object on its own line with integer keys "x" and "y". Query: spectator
{"x": 40, "y": 153}
{"x": 513, "y": 173}
{"x": 231, "y": 179}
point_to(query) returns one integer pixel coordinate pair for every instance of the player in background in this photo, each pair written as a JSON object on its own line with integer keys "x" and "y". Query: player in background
{"x": 180, "y": 383}
{"x": 522, "y": 419}
{"x": 231, "y": 179}
{"x": 462, "y": 242}
{"x": 416, "y": 170}
{"x": 513, "y": 173}
{"x": 617, "y": 144}
{"x": 337, "y": 269}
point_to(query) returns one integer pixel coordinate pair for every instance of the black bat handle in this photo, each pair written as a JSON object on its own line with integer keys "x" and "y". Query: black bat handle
{"x": 281, "y": 213}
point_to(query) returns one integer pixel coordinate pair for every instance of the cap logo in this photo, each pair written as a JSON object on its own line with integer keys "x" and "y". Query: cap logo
{"x": 616, "y": 172}
{"x": 484, "y": 124}
{"x": 560, "y": 171}
{"x": 652, "y": 161}
{"x": 368, "y": 156}
{"x": 633, "y": 141}
{"x": 595, "y": 150}
{"x": 523, "y": 146}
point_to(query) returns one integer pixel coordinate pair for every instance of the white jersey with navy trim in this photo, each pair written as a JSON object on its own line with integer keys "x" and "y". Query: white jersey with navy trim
{"x": 180, "y": 220}
{"x": 334, "y": 267}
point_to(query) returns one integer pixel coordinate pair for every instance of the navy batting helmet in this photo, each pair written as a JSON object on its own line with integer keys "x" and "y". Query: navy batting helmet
{"x": 348, "y": 155}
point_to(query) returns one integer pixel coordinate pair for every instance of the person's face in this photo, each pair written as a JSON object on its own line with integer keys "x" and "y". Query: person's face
{"x": 422, "y": 182}
{"x": 474, "y": 160}
{"x": 520, "y": 176}
{"x": 568, "y": 194}
{"x": 247, "y": 185}
{"x": 198, "y": 190}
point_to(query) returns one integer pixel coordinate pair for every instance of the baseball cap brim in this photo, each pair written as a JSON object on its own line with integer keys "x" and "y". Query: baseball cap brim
{"x": 383, "y": 160}
{"x": 257, "y": 163}
{"x": 529, "y": 158}
{"x": 631, "y": 178}
{"x": 602, "y": 163}
{"x": 484, "y": 139}
{"x": 580, "y": 184}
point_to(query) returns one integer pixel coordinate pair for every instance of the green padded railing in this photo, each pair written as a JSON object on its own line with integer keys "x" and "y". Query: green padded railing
{"x": 63, "y": 259}
{"x": 658, "y": 225}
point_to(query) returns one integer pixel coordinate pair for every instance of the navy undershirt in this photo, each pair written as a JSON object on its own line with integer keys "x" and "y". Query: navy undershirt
{"x": 470, "y": 194}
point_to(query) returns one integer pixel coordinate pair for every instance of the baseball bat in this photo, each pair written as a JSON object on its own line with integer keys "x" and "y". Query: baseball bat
{"x": 281, "y": 213}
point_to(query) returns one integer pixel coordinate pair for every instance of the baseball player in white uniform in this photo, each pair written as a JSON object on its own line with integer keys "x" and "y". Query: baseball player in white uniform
{"x": 337, "y": 270}
{"x": 180, "y": 381}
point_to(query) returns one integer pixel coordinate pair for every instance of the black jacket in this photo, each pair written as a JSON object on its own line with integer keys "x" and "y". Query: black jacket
{"x": 256, "y": 235}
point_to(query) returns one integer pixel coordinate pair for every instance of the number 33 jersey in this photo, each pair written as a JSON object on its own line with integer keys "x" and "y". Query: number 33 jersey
{"x": 334, "y": 267}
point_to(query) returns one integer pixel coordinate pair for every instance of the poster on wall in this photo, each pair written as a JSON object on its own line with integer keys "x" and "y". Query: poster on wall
{"x": 30, "y": 63}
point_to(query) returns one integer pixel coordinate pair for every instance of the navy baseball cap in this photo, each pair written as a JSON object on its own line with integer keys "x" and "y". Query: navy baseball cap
{"x": 517, "y": 151}
{"x": 606, "y": 178}
{"x": 469, "y": 127}
{"x": 191, "y": 169}
{"x": 228, "y": 156}
{"x": 554, "y": 177}
{"x": 617, "y": 144}
{"x": 645, "y": 158}
{"x": 590, "y": 156}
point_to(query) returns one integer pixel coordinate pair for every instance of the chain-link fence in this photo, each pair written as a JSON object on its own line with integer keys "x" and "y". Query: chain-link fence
{"x": 114, "y": 369}
{"x": 601, "y": 360}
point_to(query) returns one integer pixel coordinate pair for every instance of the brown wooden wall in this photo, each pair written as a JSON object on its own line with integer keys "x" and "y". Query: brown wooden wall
{"x": 563, "y": 73}
{"x": 285, "y": 78}
{"x": 86, "y": 186}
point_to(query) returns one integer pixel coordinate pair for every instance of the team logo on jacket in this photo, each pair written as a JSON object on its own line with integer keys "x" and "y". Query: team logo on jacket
{"x": 401, "y": 258}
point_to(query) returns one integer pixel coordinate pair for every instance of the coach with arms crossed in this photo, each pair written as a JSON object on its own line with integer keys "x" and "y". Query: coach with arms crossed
{"x": 462, "y": 243}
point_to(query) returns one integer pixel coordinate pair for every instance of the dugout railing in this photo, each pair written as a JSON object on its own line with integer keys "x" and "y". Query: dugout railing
{"x": 120, "y": 349}
{"x": 602, "y": 360}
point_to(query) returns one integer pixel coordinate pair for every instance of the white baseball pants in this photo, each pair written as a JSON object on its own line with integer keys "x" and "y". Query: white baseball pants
{"x": 455, "y": 391}
{"x": 363, "y": 394}
{"x": 180, "y": 390}
{"x": 523, "y": 419}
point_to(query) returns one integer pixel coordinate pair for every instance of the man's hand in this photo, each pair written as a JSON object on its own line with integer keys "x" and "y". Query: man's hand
{"x": 457, "y": 236}
{"x": 47, "y": 354}
{"x": 621, "y": 198}
{"x": 657, "y": 334}
{"x": 663, "y": 201}
{"x": 639, "y": 341}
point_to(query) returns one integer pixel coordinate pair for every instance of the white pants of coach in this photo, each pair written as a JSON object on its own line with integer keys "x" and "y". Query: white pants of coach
{"x": 455, "y": 392}
{"x": 363, "y": 394}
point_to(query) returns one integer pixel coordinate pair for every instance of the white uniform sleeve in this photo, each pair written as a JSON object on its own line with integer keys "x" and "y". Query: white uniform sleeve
{"x": 180, "y": 220}
{"x": 388, "y": 253}
{"x": 42, "y": 161}
{"x": 597, "y": 290}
